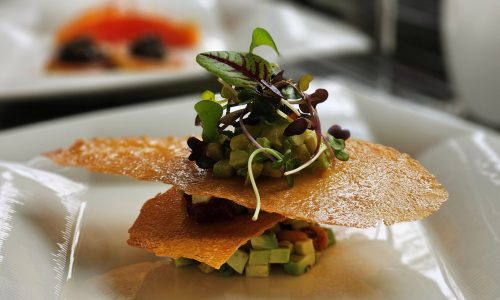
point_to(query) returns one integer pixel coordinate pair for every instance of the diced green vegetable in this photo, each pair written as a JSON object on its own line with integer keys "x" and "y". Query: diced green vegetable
{"x": 297, "y": 140}
{"x": 287, "y": 244}
{"x": 206, "y": 268}
{"x": 238, "y": 261}
{"x": 268, "y": 170}
{"x": 299, "y": 264}
{"x": 310, "y": 140}
{"x": 183, "y": 262}
{"x": 239, "y": 142}
{"x": 257, "y": 169}
{"x": 214, "y": 151}
{"x": 299, "y": 224}
{"x": 226, "y": 270}
{"x": 264, "y": 241}
{"x": 222, "y": 139}
{"x": 331, "y": 236}
{"x": 301, "y": 153}
{"x": 279, "y": 255}
{"x": 257, "y": 270}
{"x": 238, "y": 159}
{"x": 304, "y": 247}
{"x": 222, "y": 168}
{"x": 258, "y": 257}
{"x": 322, "y": 163}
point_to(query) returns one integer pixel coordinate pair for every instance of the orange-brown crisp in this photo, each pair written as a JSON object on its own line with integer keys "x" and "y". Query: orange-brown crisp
{"x": 164, "y": 228}
{"x": 376, "y": 183}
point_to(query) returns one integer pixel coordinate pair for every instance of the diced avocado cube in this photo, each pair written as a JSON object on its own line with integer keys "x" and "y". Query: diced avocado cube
{"x": 239, "y": 142}
{"x": 258, "y": 257}
{"x": 331, "y": 236}
{"x": 264, "y": 241}
{"x": 268, "y": 170}
{"x": 287, "y": 244}
{"x": 183, "y": 262}
{"x": 299, "y": 224}
{"x": 301, "y": 153}
{"x": 238, "y": 159}
{"x": 242, "y": 172}
{"x": 222, "y": 139}
{"x": 297, "y": 140}
{"x": 222, "y": 168}
{"x": 214, "y": 151}
{"x": 257, "y": 270}
{"x": 299, "y": 264}
{"x": 238, "y": 261}
{"x": 257, "y": 169}
{"x": 226, "y": 270}
{"x": 322, "y": 163}
{"x": 264, "y": 142}
{"x": 200, "y": 198}
{"x": 275, "y": 134}
{"x": 279, "y": 255}
{"x": 206, "y": 268}
{"x": 304, "y": 247}
{"x": 310, "y": 140}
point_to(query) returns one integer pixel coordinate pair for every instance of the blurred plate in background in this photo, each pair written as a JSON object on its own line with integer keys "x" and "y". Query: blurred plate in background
{"x": 27, "y": 29}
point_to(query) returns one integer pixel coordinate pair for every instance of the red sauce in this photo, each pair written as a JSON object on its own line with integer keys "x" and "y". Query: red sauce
{"x": 113, "y": 25}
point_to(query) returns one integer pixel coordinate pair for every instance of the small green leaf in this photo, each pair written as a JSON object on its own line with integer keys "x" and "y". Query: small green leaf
{"x": 208, "y": 95}
{"x": 260, "y": 37}
{"x": 341, "y": 155}
{"x": 337, "y": 144}
{"x": 235, "y": 68}
{"x": 304, "y": 82}
{"x": 209, "y": 112}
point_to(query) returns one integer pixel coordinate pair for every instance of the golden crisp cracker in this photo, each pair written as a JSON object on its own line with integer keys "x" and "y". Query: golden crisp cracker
{"x": 376, "y": 183}
{"x": 164, "y": 228}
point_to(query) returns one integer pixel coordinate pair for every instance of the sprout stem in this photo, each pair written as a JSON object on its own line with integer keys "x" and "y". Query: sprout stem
{"x": 277, "y": 155}
{"x": 283, "y": 115}
{"x": 291, "y": 107}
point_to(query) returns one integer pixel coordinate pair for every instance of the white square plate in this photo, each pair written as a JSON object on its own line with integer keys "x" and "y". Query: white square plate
{"x": 63, "y": 231}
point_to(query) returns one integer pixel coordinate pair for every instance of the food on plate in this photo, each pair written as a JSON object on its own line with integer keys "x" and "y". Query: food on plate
{"x": 116, "y": 37}
{"x": 252, "y": 191}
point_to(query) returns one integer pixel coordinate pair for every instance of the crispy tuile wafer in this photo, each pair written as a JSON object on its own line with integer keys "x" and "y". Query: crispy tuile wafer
{"x": 376, "y": 183}
{"x": 164, "y": 228}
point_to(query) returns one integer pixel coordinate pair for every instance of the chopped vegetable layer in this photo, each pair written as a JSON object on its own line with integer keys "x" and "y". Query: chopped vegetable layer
{"x": 293, "y": 245}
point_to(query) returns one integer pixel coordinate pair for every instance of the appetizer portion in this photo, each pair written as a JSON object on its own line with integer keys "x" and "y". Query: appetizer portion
{"x": 252, "y": 190}
{"x": 224, "y": 238}
{"x": 115, "y": 37}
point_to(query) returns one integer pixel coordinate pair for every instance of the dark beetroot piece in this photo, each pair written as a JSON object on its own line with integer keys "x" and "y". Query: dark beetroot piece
{"x": 337, "y": 132}
{"x": 215, "y": 210}
{"x": 149, "y": 47}
{"x": 80, "y": 50}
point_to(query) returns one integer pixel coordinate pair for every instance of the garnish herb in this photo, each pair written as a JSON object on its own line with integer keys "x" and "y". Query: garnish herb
{"x": 264, "y": 124}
